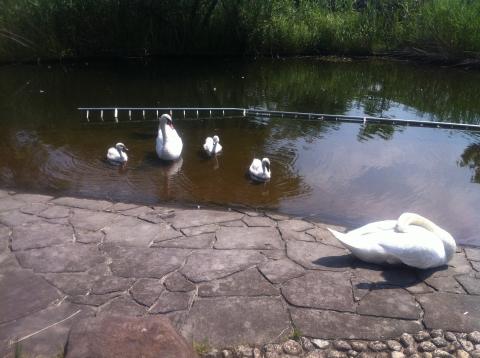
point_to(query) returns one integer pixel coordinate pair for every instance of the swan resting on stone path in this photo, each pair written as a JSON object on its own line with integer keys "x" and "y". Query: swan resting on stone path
{"x": 412, "y": 240}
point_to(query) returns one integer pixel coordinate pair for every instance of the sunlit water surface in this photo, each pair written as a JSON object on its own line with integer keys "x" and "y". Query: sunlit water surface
{"x": 348, "y": 174}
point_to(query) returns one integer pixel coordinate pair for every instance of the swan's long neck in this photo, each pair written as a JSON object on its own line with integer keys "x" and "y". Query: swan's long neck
{"x": 164, "y": 131}
{"x": 407, "y": 219}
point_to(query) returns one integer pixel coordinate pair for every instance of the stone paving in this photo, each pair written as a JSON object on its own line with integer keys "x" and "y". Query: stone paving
{"x": 226, "y": 276}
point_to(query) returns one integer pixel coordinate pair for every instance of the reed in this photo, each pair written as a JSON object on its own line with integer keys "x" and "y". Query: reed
{"x": 56, "y": 29}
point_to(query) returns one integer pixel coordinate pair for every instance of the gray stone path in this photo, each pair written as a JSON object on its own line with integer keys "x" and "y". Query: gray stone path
{"x": 222, "y": 276}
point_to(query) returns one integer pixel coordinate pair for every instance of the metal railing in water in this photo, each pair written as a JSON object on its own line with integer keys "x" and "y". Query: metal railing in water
{"x": 153, "y": 113}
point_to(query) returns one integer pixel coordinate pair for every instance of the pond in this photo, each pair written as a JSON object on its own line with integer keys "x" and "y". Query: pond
{"x": 341, "y": 173}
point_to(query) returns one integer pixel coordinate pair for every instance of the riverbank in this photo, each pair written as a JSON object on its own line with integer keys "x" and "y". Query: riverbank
{"x": 224, "y": 277}
{"x": 443, "y": 31}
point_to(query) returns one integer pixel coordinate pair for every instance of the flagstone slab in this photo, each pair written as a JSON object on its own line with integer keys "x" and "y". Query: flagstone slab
{"x": 320, "y": 289}
{"x": 197, "y": 217}
{"x": 93, "y": 299}
{"x": 235, "y": 223}
{"x": 470, "y": 284}
{"x": 60, "y": 258}
{"x": 50, "y": 342}
{"x": 445, "y": 284}
{"x": 171, "y": 301}
{"x": 141, "y": 262}
{"x": 135, "y": 211}
{"x": 473, "y": 253}
{"x": 260, "y": 238}
{"x": 278, "y": 271}
{"x": 109, "y": 284}
{"x": 476, "y": 265}
{"x": 207, "y": 265}
{"x": 394, "y": 275}
{"x": 295, "y": 235}
{"x": 389, "y": 302}
{"x": 178, "y": 283}
{"x": 83, "y": 203}
{"x": 157, "y": 215}
{"x": 89, "y": 237}
{"x": 119, "y": 207}
{"x": 202, "y": 241}
{"x": 146, "y": 291}
{"x": 245, "y": 283}
{"x": 321, "y": 234}
{"x": 131, "y": 232}
{"x": 73, "y": 284}
{"x": 166, "y": 232}
{"x": 9, "y": 203}
{"x": 335, "y": 325}
{"x": 419, "y": 288}
{"x": 34, "y": 208}
{"x": 120, "y": 336}
{"x": 452, "y": 312}
{"x": 40, "y": 234}
{"x": 259, "y": 221}
{"x": 122, "y": 306}
{"x": 32, "y": 198}
{"x": 197, "y": 230}
{"x": 55, "y": 212}
{"x": 91, "y": 220}
{"x": 22, "y": 293}
{"x": 16, "y": 218}
{"x": 295, "y": 225}
{"x": 316, "y": 256}
{"x": 236, "y": 320}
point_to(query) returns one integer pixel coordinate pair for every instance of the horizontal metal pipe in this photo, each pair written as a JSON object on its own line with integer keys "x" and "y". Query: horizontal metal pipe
{"x": 302, "y": 115}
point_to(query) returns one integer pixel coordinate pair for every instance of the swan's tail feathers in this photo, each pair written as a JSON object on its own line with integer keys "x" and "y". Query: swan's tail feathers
{"x": 344, "y": 239}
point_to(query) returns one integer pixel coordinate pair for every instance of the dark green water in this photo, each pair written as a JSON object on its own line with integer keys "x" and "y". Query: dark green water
{"x": 343, "y": 173}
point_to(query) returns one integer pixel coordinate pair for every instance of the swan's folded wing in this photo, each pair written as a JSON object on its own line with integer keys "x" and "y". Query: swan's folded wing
{"x": 413, "y": 250}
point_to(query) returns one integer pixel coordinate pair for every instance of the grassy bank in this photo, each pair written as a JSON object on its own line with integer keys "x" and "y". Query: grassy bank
{"x": 443, "y": 30}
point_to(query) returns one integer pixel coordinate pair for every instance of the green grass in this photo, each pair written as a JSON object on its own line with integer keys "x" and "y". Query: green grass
{"x": 296, "y": 334}
{"x": 202, "y": 347}
{"x": 55, "y": 29}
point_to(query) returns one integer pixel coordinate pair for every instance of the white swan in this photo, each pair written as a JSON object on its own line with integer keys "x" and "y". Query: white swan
{"x": 169, "y": 144}
{"x": 212, "y": 146}
{"x": 117, "y": 153}
{"x": 260, "y": 170}
{"x": 412, "y": 240}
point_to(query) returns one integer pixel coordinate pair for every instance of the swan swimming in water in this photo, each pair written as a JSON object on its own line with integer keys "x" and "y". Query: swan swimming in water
{"x": 412, "y": 240}
{"x": 117, "y": 154}
{"x": 169, "y": 144}
{"x": 260, "y": 170}
{"x": 212, "y": 146}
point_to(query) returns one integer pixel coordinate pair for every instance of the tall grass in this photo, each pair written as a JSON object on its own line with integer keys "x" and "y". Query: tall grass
{"x": 55, "y": 29}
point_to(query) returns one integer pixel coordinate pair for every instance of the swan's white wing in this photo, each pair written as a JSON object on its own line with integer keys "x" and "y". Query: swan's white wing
{"x": 218, "y": 148}
{"x": 112, "y": 154}
{"x": 208, "y": 146}
{"x": 256, "y": 167}
{"x": 418, "y": 248}
{"x": 378, "y": 226}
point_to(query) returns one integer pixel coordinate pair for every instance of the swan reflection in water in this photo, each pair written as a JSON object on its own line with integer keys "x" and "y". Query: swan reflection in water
{"x": 169, "y": 171}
